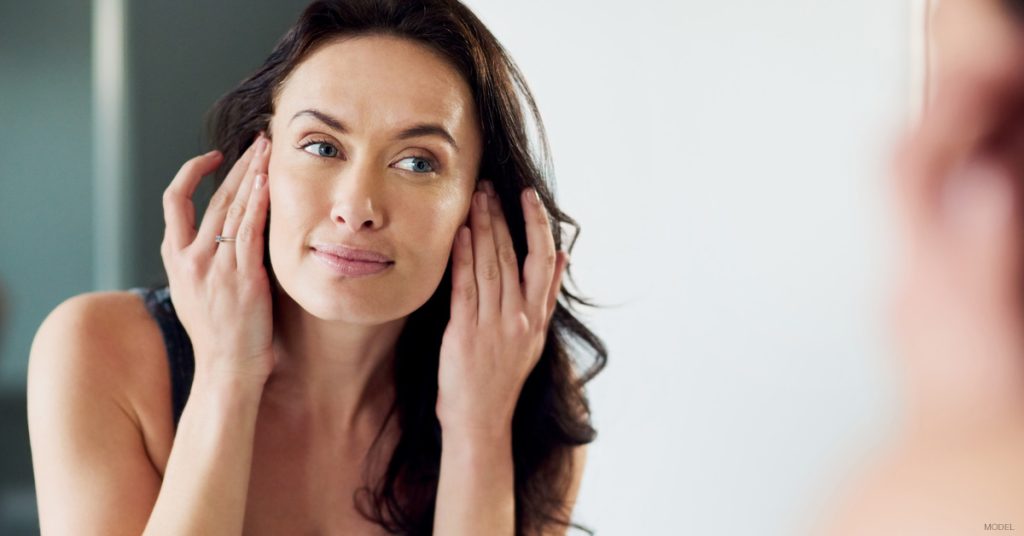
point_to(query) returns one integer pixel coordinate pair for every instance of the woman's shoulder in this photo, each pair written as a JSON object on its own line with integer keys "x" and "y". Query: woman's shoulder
{"x": 116, "y": 325}
{"x": 111, "y": 340}
{"x": 112, "y": 324}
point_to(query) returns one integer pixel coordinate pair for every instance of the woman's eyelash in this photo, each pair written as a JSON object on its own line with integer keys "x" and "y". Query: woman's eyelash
{"x": 434, "y": 165}
{"x": 305, "y": 145}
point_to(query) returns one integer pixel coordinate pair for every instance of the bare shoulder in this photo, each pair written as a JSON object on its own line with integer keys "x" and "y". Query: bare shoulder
{"x": 94, "y": 390}
{"x": 108, "y": 342}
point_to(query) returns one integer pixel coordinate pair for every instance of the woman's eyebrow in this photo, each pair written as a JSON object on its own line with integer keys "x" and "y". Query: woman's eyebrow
{"x": 415, "y": 131}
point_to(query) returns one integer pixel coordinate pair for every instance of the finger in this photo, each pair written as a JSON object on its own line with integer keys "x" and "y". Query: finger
{"x": 216, "y": 211}
{"x": 485, "y": 261}
{"x": 249, "y": 244}
{"x": 511, "y": 288}
{"x": 464, "y": 292}
{"x": 179, "y": 210}
{"x": 238, "y": 207}
{"x": 556, "y": 286}
{"x": 540, "y": 261}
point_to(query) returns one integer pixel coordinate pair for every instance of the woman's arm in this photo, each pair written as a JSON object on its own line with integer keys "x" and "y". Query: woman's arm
{"x": 222, "y": 296}
{"x": 476, "y": 490}
{"x": 207, "y": 478}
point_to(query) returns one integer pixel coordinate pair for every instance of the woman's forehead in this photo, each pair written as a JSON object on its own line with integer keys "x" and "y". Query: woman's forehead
{"x": 378, "y": 79}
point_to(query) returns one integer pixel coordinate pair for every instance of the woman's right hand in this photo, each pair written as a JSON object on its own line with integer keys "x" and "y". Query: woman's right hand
{"x": 221, "y": 292}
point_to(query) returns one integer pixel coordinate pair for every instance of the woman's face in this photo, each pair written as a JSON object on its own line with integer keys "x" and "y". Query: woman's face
{"x": 360, "y": 158}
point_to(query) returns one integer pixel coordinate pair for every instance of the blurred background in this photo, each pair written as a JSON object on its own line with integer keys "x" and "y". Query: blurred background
{"x": 725, "y": 161}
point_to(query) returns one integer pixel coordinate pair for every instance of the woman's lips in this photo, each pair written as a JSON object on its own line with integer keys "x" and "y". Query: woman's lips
{"x": 351, "y": 253}
{"x": 348, "y": 267}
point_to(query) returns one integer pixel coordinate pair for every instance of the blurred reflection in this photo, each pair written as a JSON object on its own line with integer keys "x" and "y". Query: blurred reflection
{"x": 957, "y": 315}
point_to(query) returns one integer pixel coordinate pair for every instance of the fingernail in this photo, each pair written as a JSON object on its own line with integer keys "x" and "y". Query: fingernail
{"x": 532, "y": 197}
{"x": 262, "y": 147}
{"x": 260, "y": 180}
{"x": 488, "y": 187}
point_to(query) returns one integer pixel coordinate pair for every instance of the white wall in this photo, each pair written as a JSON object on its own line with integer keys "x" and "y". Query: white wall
{"x": 724, "y": 160}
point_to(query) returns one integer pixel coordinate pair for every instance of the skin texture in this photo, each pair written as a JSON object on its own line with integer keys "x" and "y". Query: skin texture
{"x": 338, "y": 333}
{"x": 957, "y": 318}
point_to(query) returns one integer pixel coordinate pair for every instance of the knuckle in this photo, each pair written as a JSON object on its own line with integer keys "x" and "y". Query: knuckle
{"x": 246, "y": 232}
{"x": 192, "y": 265}
{"x": 253, "y": 284}
{"x": 489, "y": 271}
{"x": 549, "y": 259}
{"x": 220, "y": 200}
{"x": 170, "y": 202}
{"x": 169, "y": 196}
{"x": 519, "y": 325}
{"x": 468, "y": 292}
{"x": 221, "y": 273}
{"x": 507, "y": 254}
{"x": 236, "y": 210}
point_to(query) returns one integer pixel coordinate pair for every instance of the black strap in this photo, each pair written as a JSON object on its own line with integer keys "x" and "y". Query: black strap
{"x": 180, "y": 355}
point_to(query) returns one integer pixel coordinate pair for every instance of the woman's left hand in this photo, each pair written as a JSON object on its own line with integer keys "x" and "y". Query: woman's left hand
{"x": 498, "y": 325}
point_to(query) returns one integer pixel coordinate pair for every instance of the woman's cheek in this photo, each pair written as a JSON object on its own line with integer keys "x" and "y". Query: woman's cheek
{"x": 289, "y": 201}
{"x": 445, "y": 217}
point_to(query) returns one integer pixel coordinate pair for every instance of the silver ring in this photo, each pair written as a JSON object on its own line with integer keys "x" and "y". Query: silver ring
{"x": 220, "y": 239}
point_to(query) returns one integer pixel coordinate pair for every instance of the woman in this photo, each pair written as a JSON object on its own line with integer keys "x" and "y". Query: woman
{"x": 350, "y": 365}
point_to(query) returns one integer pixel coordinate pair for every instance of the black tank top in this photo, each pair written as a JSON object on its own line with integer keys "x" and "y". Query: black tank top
{"x": 179, "y": 347}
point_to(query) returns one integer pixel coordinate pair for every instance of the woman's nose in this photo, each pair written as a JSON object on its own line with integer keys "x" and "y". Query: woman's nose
{"x": 357, "y": 198}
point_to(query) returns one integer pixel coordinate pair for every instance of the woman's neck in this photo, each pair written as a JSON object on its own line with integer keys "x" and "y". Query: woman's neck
{"x": 338, "y": 374}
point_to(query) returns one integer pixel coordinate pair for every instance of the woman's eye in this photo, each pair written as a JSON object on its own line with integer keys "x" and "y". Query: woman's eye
{"x": 420, "y": 165}
{"x": 320, "y": 148}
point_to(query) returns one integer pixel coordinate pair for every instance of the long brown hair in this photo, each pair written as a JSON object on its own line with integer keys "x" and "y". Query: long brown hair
{"x": 552, "y": 415}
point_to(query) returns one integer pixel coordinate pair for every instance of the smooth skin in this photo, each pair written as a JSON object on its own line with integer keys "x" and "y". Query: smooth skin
{"x": 259, "y": 446}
